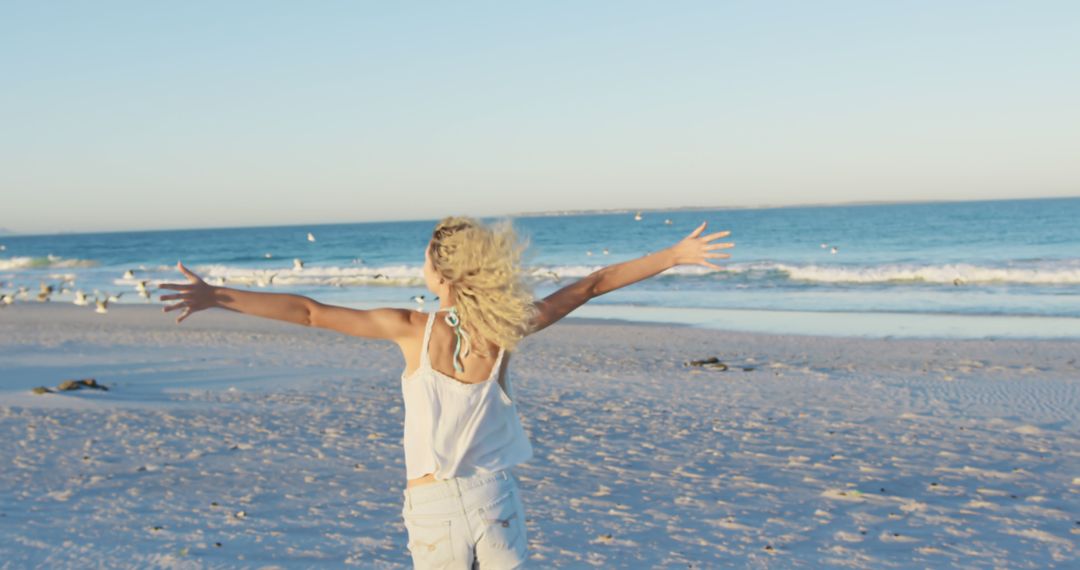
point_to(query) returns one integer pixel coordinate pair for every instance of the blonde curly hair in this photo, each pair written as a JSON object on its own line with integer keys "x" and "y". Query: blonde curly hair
{"x": 482, "y": 264}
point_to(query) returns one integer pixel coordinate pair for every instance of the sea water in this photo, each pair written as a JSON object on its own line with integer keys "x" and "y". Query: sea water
{"x": 957, "y": 269}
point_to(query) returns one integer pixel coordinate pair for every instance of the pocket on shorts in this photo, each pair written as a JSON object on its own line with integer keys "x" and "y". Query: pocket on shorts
{"x": 503, "y": 521}
{"x": 429, "y": 541}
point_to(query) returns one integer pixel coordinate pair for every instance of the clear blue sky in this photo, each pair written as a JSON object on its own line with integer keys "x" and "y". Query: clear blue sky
{"x": 141, "y": 115}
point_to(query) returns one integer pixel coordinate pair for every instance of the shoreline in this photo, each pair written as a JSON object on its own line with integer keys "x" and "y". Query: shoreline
{"x": 832, "y": 324}
{"x": 150, "y": 314}
{"x": 218, "y": 349}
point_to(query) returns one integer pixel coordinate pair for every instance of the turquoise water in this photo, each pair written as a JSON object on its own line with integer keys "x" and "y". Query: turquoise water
{"x": 970, "y": 263}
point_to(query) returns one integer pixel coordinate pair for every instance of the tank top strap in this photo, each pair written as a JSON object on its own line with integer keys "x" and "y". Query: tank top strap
{"x": 504, "y": 380}
{"x": 425, "y": 360}
{"x": 498, "y": 363}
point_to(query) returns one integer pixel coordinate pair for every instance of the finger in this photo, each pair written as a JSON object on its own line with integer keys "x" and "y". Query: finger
{"x": 711, "y": 237}
{"x": 180, "y": 286}
{"x": 168, "y": 308}
{"x": 698, "y": 231}
{"x": 183, "y": 315}
{"x": 185, "y": 270}
{"x": 714, "y": 266}
{"x": 171, "y": 297}
{"x": 713, "y": 246}
{"x": 719, "y": 255}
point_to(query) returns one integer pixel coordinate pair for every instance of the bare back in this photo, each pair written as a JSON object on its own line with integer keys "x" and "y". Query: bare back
{"x": 441, "y": 352}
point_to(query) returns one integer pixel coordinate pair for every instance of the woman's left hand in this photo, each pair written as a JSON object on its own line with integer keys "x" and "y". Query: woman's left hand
{"x": 695, "y": 249}
{"x": 196, "y": 296}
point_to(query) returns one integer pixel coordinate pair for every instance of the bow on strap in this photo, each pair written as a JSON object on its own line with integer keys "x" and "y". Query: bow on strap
{"x": 454, "y": 320}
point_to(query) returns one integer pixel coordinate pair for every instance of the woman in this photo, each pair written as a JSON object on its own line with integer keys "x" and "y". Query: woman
{"x": 462, "y": 434}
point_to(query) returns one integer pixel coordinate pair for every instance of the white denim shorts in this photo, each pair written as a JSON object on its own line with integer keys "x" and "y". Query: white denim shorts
{"x": 467, "y": 523}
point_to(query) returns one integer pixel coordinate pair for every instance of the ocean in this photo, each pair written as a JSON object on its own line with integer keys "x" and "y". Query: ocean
{"x": 1005, "y": 268}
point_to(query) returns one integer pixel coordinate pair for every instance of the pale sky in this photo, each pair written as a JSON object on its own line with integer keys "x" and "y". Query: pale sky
{"x": 162, "y": 115}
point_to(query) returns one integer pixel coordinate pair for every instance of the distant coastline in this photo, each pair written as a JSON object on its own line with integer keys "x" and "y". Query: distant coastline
{"x": 624, "y": 210}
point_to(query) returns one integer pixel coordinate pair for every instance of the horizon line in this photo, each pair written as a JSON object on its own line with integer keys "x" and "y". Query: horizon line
{"x": 563, "y": 212}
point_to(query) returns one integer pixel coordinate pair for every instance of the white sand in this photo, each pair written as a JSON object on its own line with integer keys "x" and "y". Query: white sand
{"x": 283, "y": 445}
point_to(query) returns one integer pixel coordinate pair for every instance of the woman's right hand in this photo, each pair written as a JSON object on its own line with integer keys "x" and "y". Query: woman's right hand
{"x": 196, "y": 296}
{"x": 695, "y": 250}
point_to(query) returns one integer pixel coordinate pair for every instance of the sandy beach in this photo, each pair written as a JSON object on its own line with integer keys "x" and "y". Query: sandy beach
{"x": 230, "y": 441}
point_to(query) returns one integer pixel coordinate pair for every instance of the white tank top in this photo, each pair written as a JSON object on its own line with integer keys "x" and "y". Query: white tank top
{"x": 455, "y": 428}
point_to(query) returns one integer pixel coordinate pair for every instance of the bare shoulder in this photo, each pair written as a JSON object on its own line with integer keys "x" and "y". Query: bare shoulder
{"x": 413, "y": 331}
{"x": 417, "y": 322}
{"x": 384, "y": 323}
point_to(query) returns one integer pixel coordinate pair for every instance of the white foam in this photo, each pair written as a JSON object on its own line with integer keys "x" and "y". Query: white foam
{"x": 1064, "y": 273}
{"x": 50, "y": 261}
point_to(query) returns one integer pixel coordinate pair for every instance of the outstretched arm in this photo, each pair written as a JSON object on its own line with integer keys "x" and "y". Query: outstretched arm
{"x": 279, "y": 306}
{"x": 691, "y": 250}
{"x": 388, "y": 323}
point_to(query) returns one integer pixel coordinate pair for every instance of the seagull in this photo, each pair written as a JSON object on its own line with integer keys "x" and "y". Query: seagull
{"x": 834, "y": 249}
{"x": 143, "y": 292}
{"x": 297, "y": 264}
{"x": 824, "y": 245}
{"x": 310, "y": 237}
{"x": 958, "y": 282}
{"x": 102, "y": 305}
{"x": 267, "y": 255}
{"x": 554, "y": 276}
{"x": 588, "y": 252}
{"x": 129, "y": 274}
{"x": 605, "y": 251}
{"x": 46, "y": 290}
{"x": 667, "y": 222}
{"x": 7, "y": 298}
{"x": 80, "y": 298}
{"x": 23, "y": 292}
{"x": 419, "y": 300}
{"x": 637, "y": 217}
